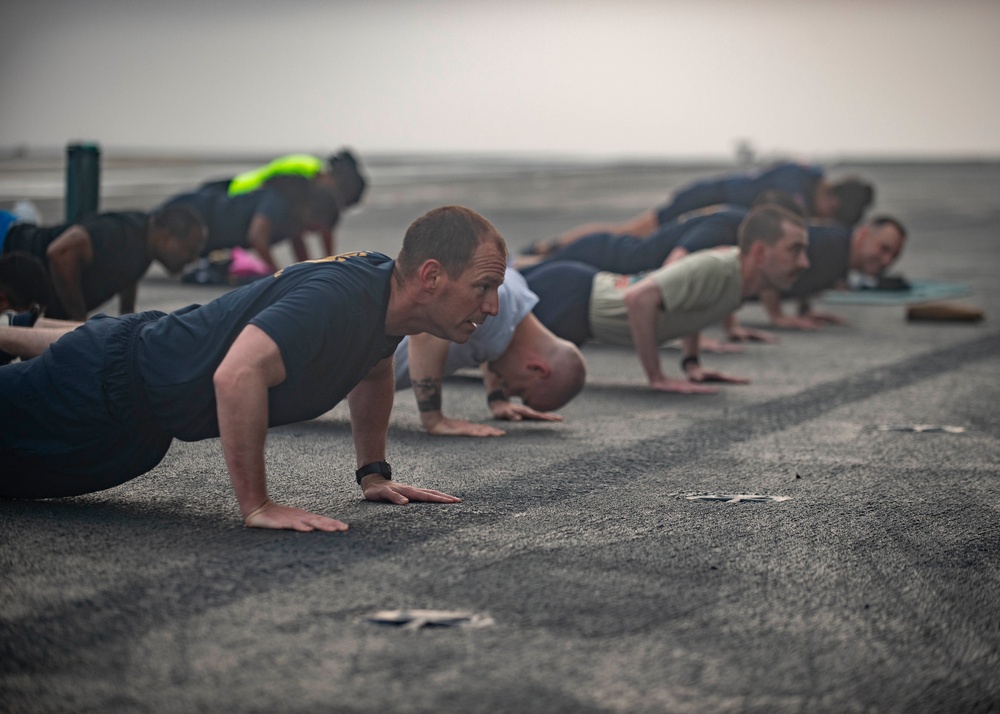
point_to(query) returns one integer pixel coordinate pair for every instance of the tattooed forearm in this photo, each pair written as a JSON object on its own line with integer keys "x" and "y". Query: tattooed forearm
{"x": 428, "y": 391}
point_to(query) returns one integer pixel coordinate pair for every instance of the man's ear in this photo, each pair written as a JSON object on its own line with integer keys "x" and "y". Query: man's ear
{"x": 430, "y": 274}
{"x": 539, "y": 368}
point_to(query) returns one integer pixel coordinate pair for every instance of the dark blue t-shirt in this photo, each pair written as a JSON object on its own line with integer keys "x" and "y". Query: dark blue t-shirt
{"x": 120, "y": 254}
{"x": 327, "y": 318}
{"x": 798, "y": 180}
{"x": 629, "y": 254}
{"x": 563, "y": 288}
{"x": 228, "y": 218}
{"x": 829, "y": 256}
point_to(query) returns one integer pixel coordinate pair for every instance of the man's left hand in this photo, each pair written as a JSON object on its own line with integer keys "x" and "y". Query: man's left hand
{"x": 748, "y": 334}
{"x": 710, "y": 344}
{"x": 827, "y": 318}
{"x": 508, "y": 411}
{"x": 376, "y": 488}
{"x": 697, "y": 374}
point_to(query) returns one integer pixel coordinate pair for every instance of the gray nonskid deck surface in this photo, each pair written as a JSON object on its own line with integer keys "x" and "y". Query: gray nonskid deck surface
{"x": 874, "y": 588}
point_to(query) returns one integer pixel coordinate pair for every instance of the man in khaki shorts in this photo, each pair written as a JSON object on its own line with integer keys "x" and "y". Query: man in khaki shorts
{"x": 579, "y": 302}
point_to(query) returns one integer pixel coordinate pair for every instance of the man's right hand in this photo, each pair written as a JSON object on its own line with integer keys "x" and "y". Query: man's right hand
{"x": 796, "y": 323}
{"x": 271, "y": 515}
{"x": 446, "y": 426}
{"x": 681, "y": 386}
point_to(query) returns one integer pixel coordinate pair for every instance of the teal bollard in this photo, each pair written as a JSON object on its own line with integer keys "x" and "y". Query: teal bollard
{"x": 83, "y": 181}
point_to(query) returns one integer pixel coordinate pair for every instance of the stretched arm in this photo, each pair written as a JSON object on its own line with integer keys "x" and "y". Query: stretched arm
{"x": 67, "y": 256}
{"x": 499, "y": 400}
{"x": 28, "y": 342}
{"x": 299, "y": 247}
{"x": 427, "y": 357}
{"x": 771, "y": 300}
{"x": 639, "y": 226}
{"x": 126, "y": 299}
{"x": 259, "y": 238}
{"x": 738, "y": 333}
{"x": 371, "y": 404}
{"x": 691, "y": 364}
{"x": 819, "y": 318}
{"x": 328, "y": 238}
{"x": 644, "y": 303}
{"x": 676, "y": 254}
{"x": 251, "y": 367}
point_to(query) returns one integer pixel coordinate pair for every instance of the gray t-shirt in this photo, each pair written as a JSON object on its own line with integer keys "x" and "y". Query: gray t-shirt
{"x": 486, "y": 343}
{"x": 697, "y": 291}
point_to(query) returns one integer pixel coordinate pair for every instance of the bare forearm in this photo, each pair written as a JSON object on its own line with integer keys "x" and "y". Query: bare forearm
{"x": 67, "y": 256}
{"x": 771, "y": 301}
{"x": 427, "y": 356}
{"x": 427, "y": 391}
{"x": 642, "y": 316}
{"x": 259, "y": 238}
{"x": 329, "y": 241}
{"x": 370, "y": 403}
{"x": 242, "y": 412}
{"x": 299, "y": 248}
{"x": 126, "y": 299}
{"x": 28, "y": 342}
{"x": 70, "y": 293}
{"x": 691, "y": 345}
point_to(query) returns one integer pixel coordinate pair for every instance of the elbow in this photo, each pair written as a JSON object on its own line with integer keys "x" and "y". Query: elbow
{"x": 638, "y": 301}
{"x": 226, "y": 380}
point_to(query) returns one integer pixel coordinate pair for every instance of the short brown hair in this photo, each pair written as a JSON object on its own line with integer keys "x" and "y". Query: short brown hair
{"x": 766, "y": 224}
{"x": 450, "y": 235}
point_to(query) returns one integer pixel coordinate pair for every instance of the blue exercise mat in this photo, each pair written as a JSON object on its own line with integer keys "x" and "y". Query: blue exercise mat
{"x": 920, "y": 291}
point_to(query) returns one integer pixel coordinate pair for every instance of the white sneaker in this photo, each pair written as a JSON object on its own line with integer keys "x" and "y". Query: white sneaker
{"x": 27, "y": 212}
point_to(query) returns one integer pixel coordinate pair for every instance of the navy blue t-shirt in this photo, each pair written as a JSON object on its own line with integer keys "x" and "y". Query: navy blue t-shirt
{"x": 228, "y": 218}
{"x": 120, "y": 254}
{"x": 563, "y": 288}
{"x": 628, "y": 254}
{"x": 829, "y": 256}
{"x": 327, "y": 318}
{"x": 798, "y": 180}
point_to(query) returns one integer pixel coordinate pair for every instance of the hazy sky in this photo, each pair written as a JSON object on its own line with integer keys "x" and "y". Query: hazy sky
{"x": 678, "y": 78}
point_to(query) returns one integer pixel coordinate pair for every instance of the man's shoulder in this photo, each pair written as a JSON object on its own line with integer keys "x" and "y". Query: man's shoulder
{"x": 364, "y": 267}
{"x": 711, "y": 259}
{"x": 115, "y": 226}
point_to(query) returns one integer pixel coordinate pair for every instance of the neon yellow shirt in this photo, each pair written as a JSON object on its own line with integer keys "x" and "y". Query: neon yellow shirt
{"x": 295, "y": 164}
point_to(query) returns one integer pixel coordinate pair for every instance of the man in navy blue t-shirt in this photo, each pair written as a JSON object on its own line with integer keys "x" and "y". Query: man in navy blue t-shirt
{"x": 103, "y": 403}
{"x": 805, "y": 184}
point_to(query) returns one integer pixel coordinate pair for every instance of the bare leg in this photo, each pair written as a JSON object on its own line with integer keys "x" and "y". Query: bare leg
{"x": 28, "y": 342}
{"x": 640, "y": 226}
{"x": 52, "y": 322}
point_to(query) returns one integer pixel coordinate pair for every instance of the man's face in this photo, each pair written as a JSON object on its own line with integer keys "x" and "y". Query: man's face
{"x": 825, "y": 201}
{"x": 520, "y": 382}
{"x": 785, "y": 260}
{"x": 878, "y": 247}
{"x": 464, "y": 302}
{"x": 174, "y": 253}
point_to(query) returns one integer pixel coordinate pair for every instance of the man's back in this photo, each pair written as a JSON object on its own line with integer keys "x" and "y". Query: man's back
{"x": 697, "y": 291}
{"x": 327, "y": 318}
{"x": 118, "y": 245}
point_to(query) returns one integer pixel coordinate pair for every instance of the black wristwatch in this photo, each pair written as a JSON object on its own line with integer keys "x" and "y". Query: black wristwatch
{"x": 375, "y": 467}
{"x": 496, "y": 395}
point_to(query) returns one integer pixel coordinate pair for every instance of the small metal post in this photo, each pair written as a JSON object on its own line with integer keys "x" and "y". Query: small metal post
{"x": 83, "y": 181}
